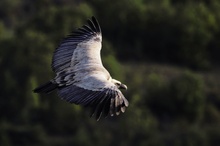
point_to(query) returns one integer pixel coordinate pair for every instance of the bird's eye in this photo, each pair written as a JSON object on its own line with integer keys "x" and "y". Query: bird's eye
{"x": 118, "y": 84}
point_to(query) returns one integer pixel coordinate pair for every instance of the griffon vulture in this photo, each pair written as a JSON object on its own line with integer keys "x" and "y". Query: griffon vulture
{"x": 80, "y": 76}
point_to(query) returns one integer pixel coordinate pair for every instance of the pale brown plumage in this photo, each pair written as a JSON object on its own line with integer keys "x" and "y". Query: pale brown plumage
{"x": 80, "y": 76}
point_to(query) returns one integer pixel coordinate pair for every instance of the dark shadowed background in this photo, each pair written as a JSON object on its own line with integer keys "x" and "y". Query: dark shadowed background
{"x": 166, "y": 51}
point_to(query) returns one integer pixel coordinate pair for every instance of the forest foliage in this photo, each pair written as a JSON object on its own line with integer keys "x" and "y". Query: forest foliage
{"x": 166, "y": 51}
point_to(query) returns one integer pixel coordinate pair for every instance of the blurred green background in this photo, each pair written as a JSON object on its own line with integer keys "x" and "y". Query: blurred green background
{"x": 166, "y": 51}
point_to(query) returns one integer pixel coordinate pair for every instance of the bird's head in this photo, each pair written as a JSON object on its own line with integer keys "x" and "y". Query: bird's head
{"x": 119, "y": 84}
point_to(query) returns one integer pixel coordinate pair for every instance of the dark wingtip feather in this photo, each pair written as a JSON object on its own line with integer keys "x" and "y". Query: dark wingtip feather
{"x": 96, "y": 24}
{"x": 88, "y": 30}
{"x": 45, "y": 88}
{"x": 102, "y": 107}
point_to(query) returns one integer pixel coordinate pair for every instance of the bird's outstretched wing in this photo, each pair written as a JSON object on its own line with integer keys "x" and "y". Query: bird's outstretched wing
{"x": 63, "y": 55}
{"x": 104, "y": 98}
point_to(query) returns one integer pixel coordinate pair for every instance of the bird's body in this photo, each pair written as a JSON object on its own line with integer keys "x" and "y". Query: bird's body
{"x": 80, "y": 75}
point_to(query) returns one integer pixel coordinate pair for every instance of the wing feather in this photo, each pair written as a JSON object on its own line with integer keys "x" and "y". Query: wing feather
{"x": 83, "y": 30}
{"x": 92, "y": 26}
{"x": 88, "y": 100}
{"x": 107, "y": 107}
{"x": 96, "y": 24}
{"x": 117, "y": 104}
{"x": 103, "y": 102}
{"x": 102, "y": 105}
{"x": 63, "y": 54}
{"x": 87, "y": 28}
{"x": 96, "y": 102}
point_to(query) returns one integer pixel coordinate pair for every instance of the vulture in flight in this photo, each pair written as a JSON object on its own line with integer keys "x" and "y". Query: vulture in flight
{"x": 80, "y": 76}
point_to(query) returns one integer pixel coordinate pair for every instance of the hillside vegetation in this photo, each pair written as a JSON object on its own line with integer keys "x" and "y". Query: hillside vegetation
{"x": 166, "y": 51}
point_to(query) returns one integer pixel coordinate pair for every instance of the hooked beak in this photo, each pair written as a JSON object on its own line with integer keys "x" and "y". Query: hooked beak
{"x": 123, "y": 86}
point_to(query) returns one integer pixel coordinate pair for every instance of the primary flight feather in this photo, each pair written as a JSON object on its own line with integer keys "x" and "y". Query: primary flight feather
{"x": 80, "y": 76}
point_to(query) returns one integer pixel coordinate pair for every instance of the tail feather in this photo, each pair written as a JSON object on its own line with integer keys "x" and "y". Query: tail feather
{"x": 45, "y": 88}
